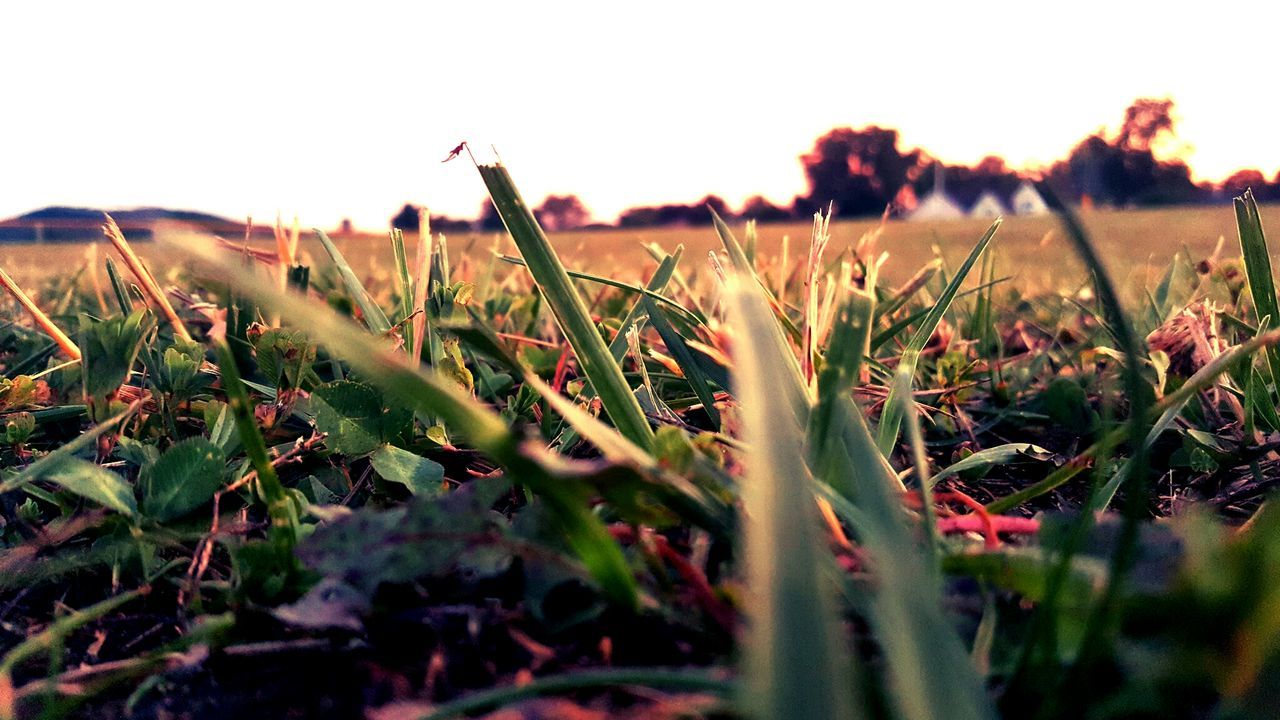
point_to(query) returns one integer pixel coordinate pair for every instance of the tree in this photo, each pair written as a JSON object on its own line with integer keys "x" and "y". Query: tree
{"x": 562, "y": 212}
{"x": 490, "y": 220}
{"x": 1124, "y": 170}
{"x": 859, "y": 170}
{"x": 697, "y": 214}
{"x": 407, "y": 219}
{"x": 1242, "y": 180}
{"x": 966, "y": 184}
{"x": 758, "y": 208}
{"x": 1144, "y": 122}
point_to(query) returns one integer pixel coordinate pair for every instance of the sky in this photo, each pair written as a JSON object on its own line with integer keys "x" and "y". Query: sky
{"x": 345, "y": 110}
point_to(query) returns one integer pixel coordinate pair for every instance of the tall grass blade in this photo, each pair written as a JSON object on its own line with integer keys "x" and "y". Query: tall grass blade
{"x": 891, "y": 418}
{"x": 568, "y": 307}
{"x": 404, "y": 287}
{"x": 637, "y": 313}
{"x": 795, "y": 662}
{"x": 374, "y": 317}
{"x": 684, "y": 358}
{"x": 1257, "y": 265}
{"x": 930, "y": 673}
{"x": 797, "y": 391}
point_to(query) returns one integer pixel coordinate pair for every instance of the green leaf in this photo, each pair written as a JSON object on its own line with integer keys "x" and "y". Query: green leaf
{"x": 95, "y": 483}
{"x": 110, "y": 348}
{"x": 179, "y": 371}
{"x": 185, "y": 477}
{"x": 421, "y": 475}
{"x": 221, "y": 426}
{"x": 355, "y": 418}
{"x": 285, "y": 356}
{"x": 424, "y": 537}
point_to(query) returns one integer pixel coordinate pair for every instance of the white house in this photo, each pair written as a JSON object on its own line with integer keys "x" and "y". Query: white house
{"x": 1027, "y": 201}
{"x": 937, "y": 205}
{"x": 987, "y": 207}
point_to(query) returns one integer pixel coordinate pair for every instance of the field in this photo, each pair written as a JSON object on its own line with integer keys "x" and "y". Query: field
{"x": 388, "y": 479}
{"x": 1136, "y": 244}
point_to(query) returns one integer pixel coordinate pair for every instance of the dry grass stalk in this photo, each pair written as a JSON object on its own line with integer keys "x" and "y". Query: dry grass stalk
{"x": 144, "y": 276}
{"x": 69, "y": 348}
{"x": 422, "y": 270}
{"x": 817, "y": 246}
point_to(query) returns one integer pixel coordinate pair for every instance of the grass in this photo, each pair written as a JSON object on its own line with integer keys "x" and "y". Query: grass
{"x": 792, "y": 482}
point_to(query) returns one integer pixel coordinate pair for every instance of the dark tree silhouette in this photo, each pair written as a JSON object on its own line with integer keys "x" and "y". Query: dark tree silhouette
{"x": 1145, "y": 121}
{"x": 758, "y": 208}
{"x": 489, "y": 220}
{"x": 406, "y": 219}
{"x": 859, "y": 170}
{"x": 1123, "y": 170}
{"x": 693, "y": 215}
{"x": 562, "y": 212}
{"x": 966, "y": 184}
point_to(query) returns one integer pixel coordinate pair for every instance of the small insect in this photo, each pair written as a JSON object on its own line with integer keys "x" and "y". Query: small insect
{"x": 456, "y": 151}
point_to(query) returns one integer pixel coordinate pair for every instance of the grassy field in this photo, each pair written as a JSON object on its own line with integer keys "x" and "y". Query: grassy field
{"x": 373, "y": 486}
{"x": 1135, "y": 243}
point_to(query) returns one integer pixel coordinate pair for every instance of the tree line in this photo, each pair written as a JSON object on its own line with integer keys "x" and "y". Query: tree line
{"x": 862, "y": 172}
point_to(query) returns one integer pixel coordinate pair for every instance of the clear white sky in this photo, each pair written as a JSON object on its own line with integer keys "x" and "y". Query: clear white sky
{"x": 333, "y": 110}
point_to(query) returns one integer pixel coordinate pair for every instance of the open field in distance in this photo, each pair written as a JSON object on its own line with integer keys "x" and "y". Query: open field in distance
{"x": 1136, "y": 243}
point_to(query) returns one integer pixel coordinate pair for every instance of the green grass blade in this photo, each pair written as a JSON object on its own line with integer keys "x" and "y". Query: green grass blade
{"x": 570, "y": 310}
{"x": 49, "y": 462}
{"x": 404, "y": 286}
{"x": 684, "y": 358}
{"x": 930, "y": 672}
{"x": 1257, "y": 265}
{"x": 678, "y": 680}
{"x": 846, "y": 348}
{"x": 284, "y": 517}
{"x": 694, "y": 317}
{"x": 797, "y": 392}
{"x": 795, "y": 661}
{"x": 637, "y": 314}
{"x": 891, "y": 418}
{"x": 374, "y": 317}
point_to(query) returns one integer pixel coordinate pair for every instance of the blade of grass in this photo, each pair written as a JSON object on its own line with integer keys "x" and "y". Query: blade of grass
{"x": 795, "y": 661}
{"x": 684, "y": 358}
{"x": 1100, "y": 626}
{"x": 679, "y": 680}
{"x": 69, "y": 348}
{"x": 373, "y": 315}
{"x": 568, "y": 307}
{"x": 797, "y": 392}
{"x": 891, "y": 418}
{"x": 69, "y": 449}
{"x": 146, "y": 280}
{"x": 694, "y": 317}
{"x": 1257, "y": 265}
{"x": 930, "y": 673}
{"x": 280, "y": 508}
{"x": 847, "y": 347}
{"x": 637, "y": 314}
{"x": 404, "y": 288}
